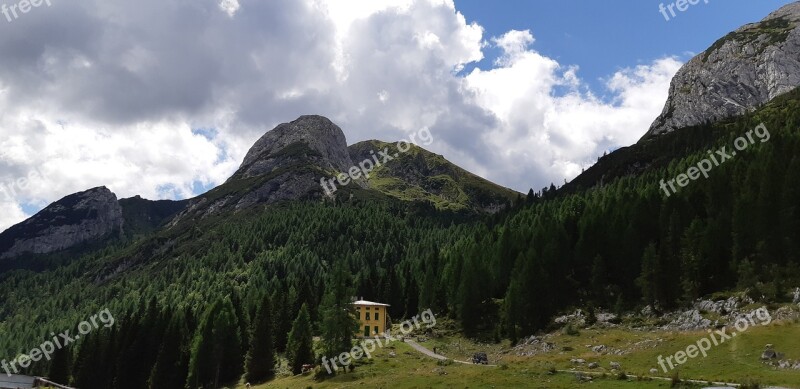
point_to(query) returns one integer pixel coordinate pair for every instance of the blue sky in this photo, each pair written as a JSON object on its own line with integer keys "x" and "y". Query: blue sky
{"x": 603, "y": 36}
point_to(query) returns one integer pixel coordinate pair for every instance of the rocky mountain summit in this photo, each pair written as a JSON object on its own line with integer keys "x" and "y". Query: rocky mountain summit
{"x": 75, "y": 219}
{"x": 320, "y": 140}
{"x": 285, "y": 164}
{"x": 738, "y": 73}
{"x": 288, "y": 163}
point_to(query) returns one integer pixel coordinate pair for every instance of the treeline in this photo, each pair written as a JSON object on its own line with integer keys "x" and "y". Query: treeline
{"x": 627, "y": 244}
{"x": 159, "y": 347}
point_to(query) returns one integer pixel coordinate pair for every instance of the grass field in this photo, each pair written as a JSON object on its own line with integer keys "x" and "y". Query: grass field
{"x": 736, "y": 360}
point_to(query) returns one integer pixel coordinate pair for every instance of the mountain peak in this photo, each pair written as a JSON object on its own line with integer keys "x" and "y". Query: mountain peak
{"x": 738, "y": 73}
{"x": 318, "y": 133}
{"x": 791, "y": 11}
{"x": 78, "y": 218}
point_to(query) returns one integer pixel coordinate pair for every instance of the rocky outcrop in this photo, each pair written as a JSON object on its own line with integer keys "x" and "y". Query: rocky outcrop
{"x": 285, "y": 164}
{"x": 741, "y": 71}
{"x": 318, "y": 134}
{"x": 288, "y": 163}
{"x": 79, "y": 218}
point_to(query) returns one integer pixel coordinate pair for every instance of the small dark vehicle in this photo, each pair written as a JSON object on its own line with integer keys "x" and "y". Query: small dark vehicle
{"x": 480, "y": 359}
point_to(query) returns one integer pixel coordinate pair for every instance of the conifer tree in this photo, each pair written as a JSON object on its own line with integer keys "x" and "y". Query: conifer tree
{"x": 172, "y": 363}
{"x": 260, "y": 361}
{"x": 339, "y": 324}
{"x": 300, "y": 346}
{"x": 216, "y": 355}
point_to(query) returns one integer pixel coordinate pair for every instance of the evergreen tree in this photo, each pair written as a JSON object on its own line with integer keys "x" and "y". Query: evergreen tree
{"x": 300, "y": 346}
{"x": 339, "y": 324}
{"x": 649, "y": 281}
{"x": 693, "y": 260}
{"x": 260, "y": 361}
{"x": 216, "y": 355}
{"x": 282, "y": 320}
{"x": 599, "y": 280}
{"x": 172, "y": 363}
{"x": 60, "y": 366}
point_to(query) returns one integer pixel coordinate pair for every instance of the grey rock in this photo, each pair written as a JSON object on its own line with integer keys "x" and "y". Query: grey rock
{"x": 769, "y": 354}
{"x": 593, "y": 365}
{"x": 740, "y": 72}
{"x": 796, "y": 296}
{"x": 285, "y": 164}
{"x": 78, "y": 218}
{"x": 316, "y": 132}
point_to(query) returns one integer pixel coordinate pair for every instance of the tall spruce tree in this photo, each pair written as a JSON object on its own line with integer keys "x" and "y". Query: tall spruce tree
{"x": 260, "y": 361}
{"x": 339, "y": 324}
{"x": 172, "y": 363}
{"x": 60, "y": 366}
{"x": 300, "y": 347}
{"x": 649, "y": 281}
{"x": 216, "y": 355}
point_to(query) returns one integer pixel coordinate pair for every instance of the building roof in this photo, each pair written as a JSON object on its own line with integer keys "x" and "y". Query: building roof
{"x": 16, "y": 381}
{"x": 370, "y": 303}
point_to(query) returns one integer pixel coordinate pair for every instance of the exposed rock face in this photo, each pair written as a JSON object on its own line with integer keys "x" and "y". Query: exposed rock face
{"x": 743, "y": 70}
{"x": 75, "y": 219}
{"x": 317, "y": 133}
{"x": 286, "y": 164}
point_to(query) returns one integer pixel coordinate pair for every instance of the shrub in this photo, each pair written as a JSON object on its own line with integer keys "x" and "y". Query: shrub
{"x": 571, "y": 330}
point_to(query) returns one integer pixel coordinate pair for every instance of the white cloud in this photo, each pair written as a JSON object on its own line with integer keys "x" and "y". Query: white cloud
{"x": 91, "y": 98}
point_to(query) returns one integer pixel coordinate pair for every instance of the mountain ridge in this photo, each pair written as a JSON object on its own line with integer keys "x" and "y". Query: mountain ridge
{"x": 287, "y": 164}
{"x": 738, "y": 73}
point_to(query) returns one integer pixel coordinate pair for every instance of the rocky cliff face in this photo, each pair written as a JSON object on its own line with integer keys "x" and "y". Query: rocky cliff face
{"x": 286, "y": 164}
{"x": 323, "y": 139}
{"x": 740, "y": 72}
{"x": 75, "y": 219}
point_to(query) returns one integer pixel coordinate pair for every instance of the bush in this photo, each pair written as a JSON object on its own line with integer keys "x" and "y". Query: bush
{"x": 676, "y": 380}
{"x": 571, "y": 330}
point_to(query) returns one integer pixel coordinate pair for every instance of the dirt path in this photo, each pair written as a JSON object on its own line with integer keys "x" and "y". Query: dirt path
{"x": 420, "y": 348}
{"x": 595, "y": 373}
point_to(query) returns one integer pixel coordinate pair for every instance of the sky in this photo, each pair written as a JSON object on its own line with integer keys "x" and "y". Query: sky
{"x": 163, "y": 98}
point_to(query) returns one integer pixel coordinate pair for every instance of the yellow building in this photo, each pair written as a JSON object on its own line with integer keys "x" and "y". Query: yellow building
{"x": 373, "y": 317}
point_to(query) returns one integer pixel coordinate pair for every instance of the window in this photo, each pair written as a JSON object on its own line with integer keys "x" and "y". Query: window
{"x": 377, "y": 315}
{"x": 376, "y": 329}
{"x": 366, "y": 331}
{"x": 367, "y": 315}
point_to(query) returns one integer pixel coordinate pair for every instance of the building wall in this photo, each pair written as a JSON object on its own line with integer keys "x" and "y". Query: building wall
{"x": 373, "y": 317}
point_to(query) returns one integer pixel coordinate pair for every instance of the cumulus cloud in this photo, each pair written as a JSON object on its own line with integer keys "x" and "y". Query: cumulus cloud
{"x": 163, "y": 97}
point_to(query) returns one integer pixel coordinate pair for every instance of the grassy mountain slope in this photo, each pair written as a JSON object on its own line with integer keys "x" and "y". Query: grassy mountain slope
{"x": 418, "y": 174}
